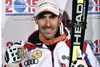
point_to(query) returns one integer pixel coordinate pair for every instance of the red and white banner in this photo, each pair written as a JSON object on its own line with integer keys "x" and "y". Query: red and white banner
{"x": 93, "y": 26}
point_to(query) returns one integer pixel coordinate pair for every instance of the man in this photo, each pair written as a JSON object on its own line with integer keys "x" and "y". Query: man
{"x": 50, "y": 45}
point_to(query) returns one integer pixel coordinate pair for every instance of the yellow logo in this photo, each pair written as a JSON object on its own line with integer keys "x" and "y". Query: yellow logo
{"x": 37, "y": 53}
{"x": 80, "y": 1}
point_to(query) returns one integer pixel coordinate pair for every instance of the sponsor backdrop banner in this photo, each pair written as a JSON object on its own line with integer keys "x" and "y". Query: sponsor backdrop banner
{"x": 93, "y": 27}
{"x": 18, "y": 22}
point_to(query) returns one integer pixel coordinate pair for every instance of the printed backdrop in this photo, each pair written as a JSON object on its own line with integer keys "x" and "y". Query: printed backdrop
{"x": 18, "y": 22}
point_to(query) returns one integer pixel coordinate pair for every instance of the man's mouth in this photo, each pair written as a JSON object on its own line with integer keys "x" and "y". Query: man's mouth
{"x": 48, "y": 30}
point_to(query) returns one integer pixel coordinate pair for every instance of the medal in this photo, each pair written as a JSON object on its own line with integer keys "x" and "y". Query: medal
{"x": 22, "y": 52}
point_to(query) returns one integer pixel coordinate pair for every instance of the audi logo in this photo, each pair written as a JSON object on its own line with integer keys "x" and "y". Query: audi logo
{"x": 31, "y": 61}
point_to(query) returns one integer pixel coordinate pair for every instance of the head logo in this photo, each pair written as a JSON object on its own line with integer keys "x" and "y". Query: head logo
{"x": 19, "y": 5}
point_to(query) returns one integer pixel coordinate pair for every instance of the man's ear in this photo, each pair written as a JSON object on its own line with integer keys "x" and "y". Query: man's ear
{"x": 35, "y": 20}
{"x": 60, "y": 18}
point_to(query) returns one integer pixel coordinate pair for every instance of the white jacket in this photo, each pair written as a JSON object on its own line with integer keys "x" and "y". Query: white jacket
{"x": 59, "y": 57}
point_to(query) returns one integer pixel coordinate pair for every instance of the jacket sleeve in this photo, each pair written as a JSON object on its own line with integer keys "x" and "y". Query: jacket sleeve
{"x": 90, "y": 57}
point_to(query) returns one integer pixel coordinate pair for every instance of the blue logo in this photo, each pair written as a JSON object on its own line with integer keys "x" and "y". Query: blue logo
{"x": 19, "y": 5}
{"x": 91, "y": 4}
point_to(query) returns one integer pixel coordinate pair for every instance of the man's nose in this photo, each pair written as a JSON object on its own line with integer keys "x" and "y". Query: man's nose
{"x": 48, "y": 24}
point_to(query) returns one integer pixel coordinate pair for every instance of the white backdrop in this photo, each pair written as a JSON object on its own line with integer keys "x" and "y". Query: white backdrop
{"x": 0, "y": 33}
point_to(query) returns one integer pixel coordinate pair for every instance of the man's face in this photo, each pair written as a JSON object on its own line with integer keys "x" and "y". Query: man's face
{"x": 48, "y": 24}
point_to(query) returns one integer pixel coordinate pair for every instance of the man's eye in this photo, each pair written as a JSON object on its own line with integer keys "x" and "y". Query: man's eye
{"x": 41, "y": 17}
{"x": 53, "y": 16}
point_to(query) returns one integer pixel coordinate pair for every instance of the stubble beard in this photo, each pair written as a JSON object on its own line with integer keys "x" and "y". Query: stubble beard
{"x": 48, "y": 32}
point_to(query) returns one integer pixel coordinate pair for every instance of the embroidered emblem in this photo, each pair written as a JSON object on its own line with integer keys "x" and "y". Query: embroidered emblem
{"x": 65, "y": 57}
{"x": 37, "y": 53}
{"x": 31, "y": 62}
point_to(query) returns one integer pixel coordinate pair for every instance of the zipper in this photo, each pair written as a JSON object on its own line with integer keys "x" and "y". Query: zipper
{"x": 52, "y": 58}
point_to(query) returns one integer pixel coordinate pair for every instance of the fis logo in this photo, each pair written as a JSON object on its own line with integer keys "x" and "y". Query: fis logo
{"x": 20, "y": 7}
{"x": 94, "y": 7}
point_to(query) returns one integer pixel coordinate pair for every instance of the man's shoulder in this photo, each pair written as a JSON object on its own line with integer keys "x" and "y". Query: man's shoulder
{"x": 34, "y": 34}
{"x": 34, "y": 37}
